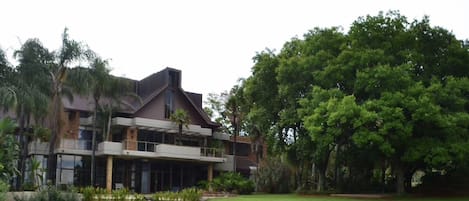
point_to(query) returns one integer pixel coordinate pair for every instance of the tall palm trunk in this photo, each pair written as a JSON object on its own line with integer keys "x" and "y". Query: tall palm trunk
{"x": 56, "y": 103}
{"x": 22, "y": 155}
{"x": 93, "y": 142}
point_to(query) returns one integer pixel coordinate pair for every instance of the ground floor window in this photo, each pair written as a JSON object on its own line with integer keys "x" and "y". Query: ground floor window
{"x": 73, "y": 170}
{"x": 138, "y": 175}
{"x": 148, "y": 176}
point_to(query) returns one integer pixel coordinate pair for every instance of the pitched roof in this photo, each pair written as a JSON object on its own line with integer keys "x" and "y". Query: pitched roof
{"x": 147, "y": 89}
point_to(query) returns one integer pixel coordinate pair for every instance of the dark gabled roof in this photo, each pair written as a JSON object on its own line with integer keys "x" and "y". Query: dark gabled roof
{"x": 200, "y": 110}
{"x": 147, "y": 89}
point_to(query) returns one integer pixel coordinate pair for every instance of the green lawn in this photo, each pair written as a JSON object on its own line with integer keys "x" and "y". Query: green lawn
{"x": 292, "y": 197}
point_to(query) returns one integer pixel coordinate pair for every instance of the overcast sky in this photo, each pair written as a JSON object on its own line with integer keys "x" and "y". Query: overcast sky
{"x": 212, "y": 42}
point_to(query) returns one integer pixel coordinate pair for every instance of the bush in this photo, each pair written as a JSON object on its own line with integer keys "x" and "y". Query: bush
{"x": 165, "y": 196}
{"x": 189, "y": 194}
{"x": 120, "y": 194}
{"x": 232, "y": 182}
{"x": 88, "y": 193}
{"x": 273, "y": 177}
{"x": 3, "y": 190}
{"x": 51, "y": 193}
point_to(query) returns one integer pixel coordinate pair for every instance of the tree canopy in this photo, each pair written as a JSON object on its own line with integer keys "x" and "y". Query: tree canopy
{"x": 377, "y": 103}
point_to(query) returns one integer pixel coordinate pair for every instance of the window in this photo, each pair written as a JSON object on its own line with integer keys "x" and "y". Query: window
{"x": 242, "y": 149}
{"x": 84, "y": 139}
{"x": 73, "y": 170}
{"x": 173, "y": 79}
{"x": 169, "y": 104}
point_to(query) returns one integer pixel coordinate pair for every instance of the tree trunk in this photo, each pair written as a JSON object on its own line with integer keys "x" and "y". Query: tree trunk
{"x": 400, "y": 180}
{"x": 383, "y": 176}
{"x": 234, "y": 146}
{"x": 337, "y": 168}
{"x": 21, "y": 159}
{"x": 321, "y": 179}
{"x": 51, "y": 162}
{"x": 93, "y": 143}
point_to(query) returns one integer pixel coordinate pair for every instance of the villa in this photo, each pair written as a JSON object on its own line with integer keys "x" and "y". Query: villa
{"x": 144, "y": 152}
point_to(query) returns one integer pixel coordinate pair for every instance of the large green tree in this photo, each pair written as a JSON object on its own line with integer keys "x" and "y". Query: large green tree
{"x": 389, "y": 90}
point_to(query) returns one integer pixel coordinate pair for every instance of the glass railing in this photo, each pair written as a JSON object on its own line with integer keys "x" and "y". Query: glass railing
{"x": 151, "y": 147}
{"x": 76, "y": 144}
{"x": 139, "y": 145}
{"x": 211, "y": 152}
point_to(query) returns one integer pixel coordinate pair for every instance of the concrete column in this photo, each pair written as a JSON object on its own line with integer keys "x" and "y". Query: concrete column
{"x": 109, "y": 174}
{"x": 210, "y": 176}
{"x": 210, "y": 172}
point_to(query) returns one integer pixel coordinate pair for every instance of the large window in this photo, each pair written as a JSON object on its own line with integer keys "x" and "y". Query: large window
{"x": 169, "y": 103}
{"x": 147, "y": 140}
{"x": 73, "y": 170}
{"x": 84, "y": 139}
{"x": 242, "y": 149}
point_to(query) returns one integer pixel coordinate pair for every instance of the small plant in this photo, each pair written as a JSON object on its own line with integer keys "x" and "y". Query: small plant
{"x": 88, "y": 193}
{"x": 188, "y": 194}
{"x": 139, "y": 197}
{"x": 191, "y": 194}
{"x": 51, "y": 193}
{"x": 120, "y": 194}
{"x": 165, "y": 196}
{"x": 3, "y": 189}
{"x": 232, "y": 182}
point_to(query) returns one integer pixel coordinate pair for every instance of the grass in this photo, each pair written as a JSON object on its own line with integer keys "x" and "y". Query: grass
{"x": 293, "y": 197}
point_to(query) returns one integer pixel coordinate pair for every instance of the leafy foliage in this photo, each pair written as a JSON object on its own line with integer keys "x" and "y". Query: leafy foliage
{"x": 51, "y": 193}
{"x": 4, "y": 187}
{"x": 232, "y": 182}
{"x": 188, "y": 194}
{"x": 390, "y": 95}
{"x": 9, "y": 151}
{"x": 273, "y": 176}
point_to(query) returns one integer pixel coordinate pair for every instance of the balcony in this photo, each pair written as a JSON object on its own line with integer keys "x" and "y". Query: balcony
{"x": 227, "y": 165}
{"x": 157, "y": 150}
{"x": 72, "y": 146}
{"x": 38, "y": 148}
{"x": 159, "y": 125}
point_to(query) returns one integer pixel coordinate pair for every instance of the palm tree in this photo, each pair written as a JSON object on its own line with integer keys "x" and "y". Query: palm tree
{"x": 31, "y": 92}
{"x": 181, "y": 118}
{"x": 100, "y": 85}
{"x": 234, "y": 112}
{"x": 70, "y": 52}
{"x": 7, "y": 92}
{"x": 103, "y": 85}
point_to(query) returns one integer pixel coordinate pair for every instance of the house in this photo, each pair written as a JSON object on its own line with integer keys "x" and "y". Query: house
{"x": 143, "y": 151}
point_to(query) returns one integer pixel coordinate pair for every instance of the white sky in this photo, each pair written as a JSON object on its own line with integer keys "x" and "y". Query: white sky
{"x": 212, "y": 42}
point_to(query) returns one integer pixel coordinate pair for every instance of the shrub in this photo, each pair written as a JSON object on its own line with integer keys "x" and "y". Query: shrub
{"x": 88, "y": 193}
{"x": 51, "y": 193}
{"x": 232, "y": 182}
{"x": 120, "y": 194}
{"x": 3, "y": 189}
{"x": 273, "y": 177}
{"x": 165, "y": 196}
{"x": 189, "y": 194}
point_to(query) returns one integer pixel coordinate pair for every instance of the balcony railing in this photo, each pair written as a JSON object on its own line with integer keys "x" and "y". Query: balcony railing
{"x": 139, "y": 145}
{"x": 211, "y": 152}
{"x": 75, "y": 144}
{"x": 152, "y": 147}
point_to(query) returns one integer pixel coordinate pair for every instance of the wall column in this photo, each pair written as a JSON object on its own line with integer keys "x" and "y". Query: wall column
{"x": 210, "y": 172}
{"x": 210, "y": 176}
{"x": 109, "y": 174}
